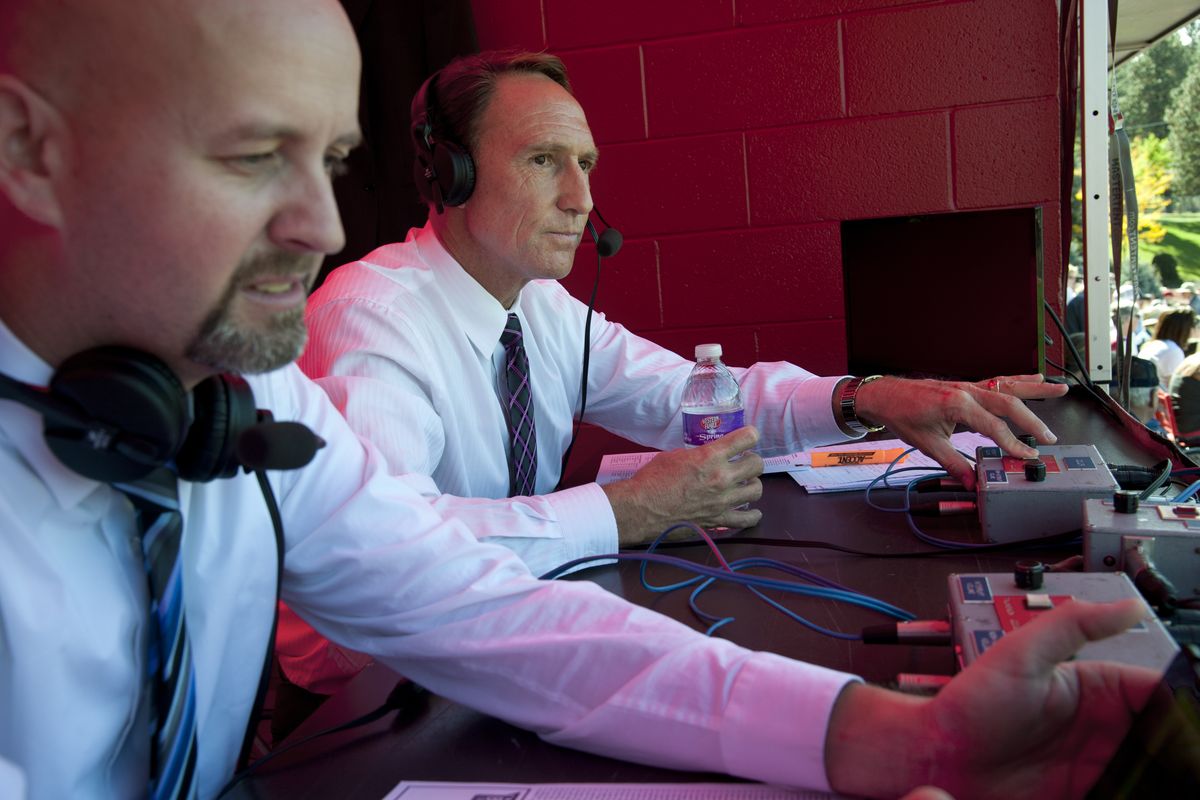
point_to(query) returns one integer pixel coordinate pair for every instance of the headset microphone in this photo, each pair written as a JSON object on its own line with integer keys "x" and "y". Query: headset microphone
{"x": 277, "y": 445}
{"x": 607, "y": 245}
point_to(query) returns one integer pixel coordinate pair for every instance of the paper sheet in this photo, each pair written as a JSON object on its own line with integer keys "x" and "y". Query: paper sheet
{"x": 419, "y": 790}
{"x": 843, "y": 479}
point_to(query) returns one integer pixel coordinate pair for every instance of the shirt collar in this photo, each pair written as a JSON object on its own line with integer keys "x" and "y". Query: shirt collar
{"x": 474, "y": 309}
{"x": 22, "y": 426}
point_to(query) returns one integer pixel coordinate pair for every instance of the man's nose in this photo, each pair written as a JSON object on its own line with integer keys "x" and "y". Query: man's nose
{"x": 309, "y": 219}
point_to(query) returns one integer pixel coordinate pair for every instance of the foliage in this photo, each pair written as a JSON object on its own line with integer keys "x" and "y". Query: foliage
{"x": 1184, "y": 117}
{"x": 1146, "y": 83}
{"x": 1182, "y": 240}
{"x": 1151, "y": 159}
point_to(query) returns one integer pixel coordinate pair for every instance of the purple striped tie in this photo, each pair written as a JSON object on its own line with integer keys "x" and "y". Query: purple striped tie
{"x": 170, "y": 679}
{"x": 518, "y": 402}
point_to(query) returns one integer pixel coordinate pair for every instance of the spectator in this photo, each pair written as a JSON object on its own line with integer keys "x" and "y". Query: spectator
{"x": 1187, "y": 294}
{"x": 1168, "y": 270}
{"x": 1129, "y": 315}
{"x": 1185, "y": 396}
{"x": 1168, "y": 348}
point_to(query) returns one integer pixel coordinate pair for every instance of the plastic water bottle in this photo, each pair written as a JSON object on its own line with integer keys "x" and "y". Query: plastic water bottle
{"x": 712, "y": 401}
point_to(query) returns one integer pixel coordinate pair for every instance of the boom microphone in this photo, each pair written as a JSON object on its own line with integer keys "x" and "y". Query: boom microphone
{"x": 607, "y": 243}
{"x": 277, "y": 445}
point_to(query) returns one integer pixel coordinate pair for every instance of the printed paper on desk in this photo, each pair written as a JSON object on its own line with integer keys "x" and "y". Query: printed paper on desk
{"x": 422, "y": 790}
{"x": 850, "y": 478}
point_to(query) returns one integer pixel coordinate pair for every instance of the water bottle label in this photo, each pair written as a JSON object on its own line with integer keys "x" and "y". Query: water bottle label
{"x": 701, "y": 429}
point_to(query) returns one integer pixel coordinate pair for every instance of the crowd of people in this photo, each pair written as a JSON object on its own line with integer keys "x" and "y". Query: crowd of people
{"x": 1159, "y": 328}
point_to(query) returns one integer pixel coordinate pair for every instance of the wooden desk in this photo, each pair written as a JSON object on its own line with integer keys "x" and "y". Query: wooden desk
{"x": 449, "y": 742}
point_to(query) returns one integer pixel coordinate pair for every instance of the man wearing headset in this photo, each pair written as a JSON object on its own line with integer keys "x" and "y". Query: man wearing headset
{"x": 408, "y": 344}
{"x": 165, "y": 186}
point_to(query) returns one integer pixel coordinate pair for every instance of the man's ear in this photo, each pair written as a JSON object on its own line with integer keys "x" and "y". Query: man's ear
{"x": 31, "y": 132}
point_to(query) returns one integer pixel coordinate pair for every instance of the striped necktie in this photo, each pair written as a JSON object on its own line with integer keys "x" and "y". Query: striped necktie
{"x": 170, "y": 679}
{"x": 518, "y": 403}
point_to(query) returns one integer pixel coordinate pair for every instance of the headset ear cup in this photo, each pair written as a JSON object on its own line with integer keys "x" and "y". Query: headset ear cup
{"x": 455, "y": 171}
{"x": 222, "y": 409}
{"x": 129, "y": 392}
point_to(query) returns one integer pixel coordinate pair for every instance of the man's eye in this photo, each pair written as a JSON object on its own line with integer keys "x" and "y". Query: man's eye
{"x": 541, "y": 159}
{"x": 256, "y": 161}
{"x": 587, "y": 165}
{"x": 336, "y": 166}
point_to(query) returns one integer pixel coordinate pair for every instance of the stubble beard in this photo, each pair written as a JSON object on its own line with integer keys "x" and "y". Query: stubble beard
{"x": 225, "y": 345}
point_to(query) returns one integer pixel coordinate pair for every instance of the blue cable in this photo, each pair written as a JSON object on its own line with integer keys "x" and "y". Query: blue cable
{"x": 906, "y": 508}
{"x": 729, "y": 573}
{"x": 1188, "y": 493}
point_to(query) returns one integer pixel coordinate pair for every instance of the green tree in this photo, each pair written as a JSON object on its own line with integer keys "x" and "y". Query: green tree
{"x": 1145, "y": 84}
{"x": 1183, "y": 115}
{"x": 1151, "y": 159}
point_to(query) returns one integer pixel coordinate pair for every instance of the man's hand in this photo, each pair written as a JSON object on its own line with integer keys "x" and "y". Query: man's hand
{"x": 1018, "y": 722}
{"x": 700, "y": 485}
{"x": 924, "y": 413}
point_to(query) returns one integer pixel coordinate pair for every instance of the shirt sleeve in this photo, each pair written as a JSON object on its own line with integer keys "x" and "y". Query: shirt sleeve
{"x": 635, "y": 388}
{"x": 373, "y": 566}
{"x": 374, "y": 367}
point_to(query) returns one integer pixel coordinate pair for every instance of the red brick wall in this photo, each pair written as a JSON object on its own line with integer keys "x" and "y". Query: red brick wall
{"x": 736, "y": 134}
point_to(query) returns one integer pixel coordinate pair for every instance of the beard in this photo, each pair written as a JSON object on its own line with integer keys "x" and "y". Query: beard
{"x": 225, "y": 345}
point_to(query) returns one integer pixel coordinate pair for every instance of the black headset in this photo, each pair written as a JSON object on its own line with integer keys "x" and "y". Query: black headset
{"x": 443, "y": 170}
{"x": 115, "y": 414}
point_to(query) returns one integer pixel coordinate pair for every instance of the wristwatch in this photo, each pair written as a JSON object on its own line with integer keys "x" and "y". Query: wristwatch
{"x": 846, "y": 404}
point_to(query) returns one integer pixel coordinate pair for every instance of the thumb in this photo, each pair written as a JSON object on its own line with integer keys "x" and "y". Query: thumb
{"x": 1058, "y": 635}
{"x": 738, "y": 441}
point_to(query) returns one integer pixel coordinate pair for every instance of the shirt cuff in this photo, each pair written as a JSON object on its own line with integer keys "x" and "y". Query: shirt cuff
{"x": 777, "y": 720}
{"x": 813, "y": 403}
{"x": 586, "y": 520}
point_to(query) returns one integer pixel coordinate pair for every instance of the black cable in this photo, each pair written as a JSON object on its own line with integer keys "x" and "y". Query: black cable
{"x": 405, "y": 697}
{"x": 1048, "y": 541}
{"x": 587, "y": 352}
{"x": 1087, "y": 378}
{"x": 268, "y": 659}
{"x": 1164, "y": 468}
{"x": 1064, "y": 370}
{"x": 1087, "y": 383}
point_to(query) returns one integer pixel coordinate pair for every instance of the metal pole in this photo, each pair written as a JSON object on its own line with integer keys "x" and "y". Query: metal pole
{"x": 1093, "y": 82}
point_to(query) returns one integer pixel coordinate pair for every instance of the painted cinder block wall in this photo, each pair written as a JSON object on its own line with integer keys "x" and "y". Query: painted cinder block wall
{"x": 735, "y": 135}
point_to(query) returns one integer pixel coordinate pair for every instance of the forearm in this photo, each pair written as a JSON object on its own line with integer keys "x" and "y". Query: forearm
{"x": 877, "y": 746}
{"x": 638, "y": 514}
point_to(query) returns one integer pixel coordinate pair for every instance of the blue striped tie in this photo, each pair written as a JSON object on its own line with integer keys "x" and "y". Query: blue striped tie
{"x": 170, "y": 678}
{"x": 518, "y": 403}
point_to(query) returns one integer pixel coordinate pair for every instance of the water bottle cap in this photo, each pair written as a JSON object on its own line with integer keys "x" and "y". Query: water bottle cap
{"x": 708, "y": 351}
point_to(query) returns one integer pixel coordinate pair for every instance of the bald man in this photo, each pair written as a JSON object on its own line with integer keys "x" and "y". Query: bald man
{"x": 165, "y": 186}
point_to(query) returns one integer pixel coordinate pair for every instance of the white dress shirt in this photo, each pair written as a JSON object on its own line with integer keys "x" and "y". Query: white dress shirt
{"x": 407, "y": 344}
{"x": 373, "y": 566}
{"x": 404, "y": 342}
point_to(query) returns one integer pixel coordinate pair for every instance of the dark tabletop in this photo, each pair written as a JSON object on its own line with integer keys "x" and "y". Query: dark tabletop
{"x": 440, "y": 740}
